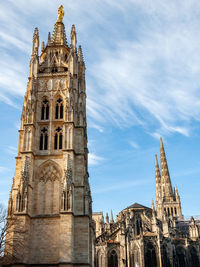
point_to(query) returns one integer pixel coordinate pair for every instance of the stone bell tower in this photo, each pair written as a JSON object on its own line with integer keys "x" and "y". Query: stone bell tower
{"x": 50, "y": 197}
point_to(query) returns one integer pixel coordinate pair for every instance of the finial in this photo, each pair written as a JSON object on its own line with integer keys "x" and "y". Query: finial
{"x": 107, "y": 218}
{"x": 152, "y": 205}
{"x": 61, "y": 14}
{"x": 161, "y": 142}
{"x": 49, "y": 38}
{"x": 111, "y": 217}
{"x": 80, "y": 54}
{"x": 43, "y": 46}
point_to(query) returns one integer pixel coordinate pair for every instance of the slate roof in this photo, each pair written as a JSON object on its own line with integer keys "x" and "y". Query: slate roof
{"x": 137, "y": 206}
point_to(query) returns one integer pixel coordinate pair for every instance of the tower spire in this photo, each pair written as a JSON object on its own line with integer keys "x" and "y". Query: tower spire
{"x": 59, "y": 36}
{"x": 165, "y": 177}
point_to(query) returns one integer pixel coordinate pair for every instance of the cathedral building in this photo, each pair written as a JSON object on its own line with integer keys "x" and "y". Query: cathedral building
{"x": 50, "y": 200}
{"x": 50, "y": 204}
{"x": 149, "y": 237}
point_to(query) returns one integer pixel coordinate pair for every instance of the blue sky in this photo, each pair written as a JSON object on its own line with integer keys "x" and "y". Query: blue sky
{"x": 143, "y": 82}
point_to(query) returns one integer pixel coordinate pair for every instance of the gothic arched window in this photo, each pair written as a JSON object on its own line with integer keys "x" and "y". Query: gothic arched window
{"x": 113, "y": 259}
{"x": 59, "y": 109}
{"x": 58, "y": 139}
{"x": 194, "y": 260}
{"x": 181, "y": 259}
{"x": 45, "y": 110}
{"x": 150, "y": 255}
{"x": 44, "y": 139}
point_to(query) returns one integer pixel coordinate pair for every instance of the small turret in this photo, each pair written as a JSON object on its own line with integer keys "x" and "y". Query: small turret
{"x": 176, "y": 194}
{"x": 80, "y": 54}
{"x": 111, "y": 217}
{"x": 43, "y": 47}
{"x": 34, "y": 62}
{"x": 35, "y": 42}
{"x": 107, "y": 218}
{"x": 49, "y": 38}
{"x": 73, "y": 38}
{"x": 193, "y": 230}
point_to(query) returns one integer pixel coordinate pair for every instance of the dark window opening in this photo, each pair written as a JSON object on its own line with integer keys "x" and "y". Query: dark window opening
{"x": 46, "y": 142}
{"x": 61, "y": 111}
{"x": 150, "y": 256}
{"x": 42, "y": 113}
{"x": 113, "y": 259}
{"x": 60, "y": 141}
{"x": 43, "y": 139}
{"x": 56, "y": 141}
{"x": 45, "y": 110}
{"x": 56, "y": 111}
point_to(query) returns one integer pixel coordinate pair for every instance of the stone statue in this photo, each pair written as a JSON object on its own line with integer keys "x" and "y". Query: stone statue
{"x": 61, "y": 14}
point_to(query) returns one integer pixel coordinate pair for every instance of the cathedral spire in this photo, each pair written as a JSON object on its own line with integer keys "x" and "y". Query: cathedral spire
{"x": 165, "y": 177}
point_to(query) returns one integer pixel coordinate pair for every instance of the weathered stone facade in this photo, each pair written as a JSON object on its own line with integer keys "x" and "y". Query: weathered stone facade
{"x": 50, "y": 196}
{"x": 144, "y": 237}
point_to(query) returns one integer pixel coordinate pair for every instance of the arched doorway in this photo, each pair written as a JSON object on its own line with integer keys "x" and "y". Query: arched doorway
{"x": 150, "y": 256}
{"x": 112, "y": 259}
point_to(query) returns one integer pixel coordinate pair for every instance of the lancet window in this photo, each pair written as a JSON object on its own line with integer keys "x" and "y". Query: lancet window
{"x": 113, "y": 259}
{"x": 43, "y": 139}
{"x": 58, "y": 139}
{"x": 59, "y": 109}
{"x": 45, "y": 110}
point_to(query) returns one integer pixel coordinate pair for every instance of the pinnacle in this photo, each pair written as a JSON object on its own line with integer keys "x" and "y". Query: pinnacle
{"x": 80, "y": 54}
{"x": 161, "y": 143}
{"x": 111, "y": 217}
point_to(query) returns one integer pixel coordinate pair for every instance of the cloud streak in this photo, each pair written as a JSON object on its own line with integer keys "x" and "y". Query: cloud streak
{"x": 146, "y": 67}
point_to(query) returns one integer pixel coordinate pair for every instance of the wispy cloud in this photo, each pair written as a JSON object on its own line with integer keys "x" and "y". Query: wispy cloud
{"x": 134, "y": 144}
{"x": 12, "y": 150}
{"x": 149, "y": 77}
{"x": 93, "y": 159}
{"x": 96, "y": 126}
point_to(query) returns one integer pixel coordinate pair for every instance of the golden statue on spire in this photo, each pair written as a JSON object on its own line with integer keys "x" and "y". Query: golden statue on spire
{"x": 61, "y": 14}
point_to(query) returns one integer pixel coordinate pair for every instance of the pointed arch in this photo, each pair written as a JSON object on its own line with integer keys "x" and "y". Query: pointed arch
{"x": 47, "y": 186}
{"x": 59, "y": 107}
{"x": 150, "y": 255}
{"x": 45, "y": 108}
{"x": 113, "y": 258}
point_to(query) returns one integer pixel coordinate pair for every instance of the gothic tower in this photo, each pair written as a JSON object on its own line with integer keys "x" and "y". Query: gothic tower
{"x": 167, "y": 200}
{"x": 50, "y": 199}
